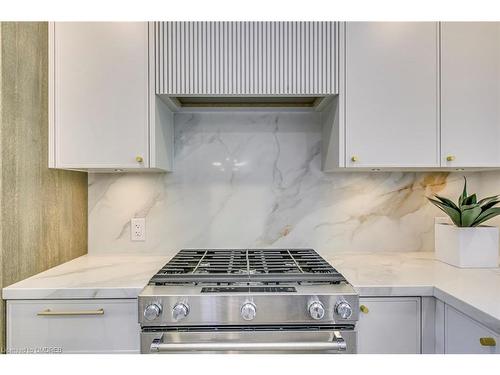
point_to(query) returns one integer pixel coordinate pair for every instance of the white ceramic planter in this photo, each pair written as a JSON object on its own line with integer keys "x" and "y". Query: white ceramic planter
{"x": 467, "y": 247}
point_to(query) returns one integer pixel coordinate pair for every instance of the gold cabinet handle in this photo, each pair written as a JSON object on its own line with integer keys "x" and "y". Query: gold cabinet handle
{"x": 49, "y": 312}
{"x": 364, "y": 309}
{"x": 139, "y": 159}
{"x": 450, "y": 158}
{"x": 487, "y": 341}
{"x": 354, "y": 158}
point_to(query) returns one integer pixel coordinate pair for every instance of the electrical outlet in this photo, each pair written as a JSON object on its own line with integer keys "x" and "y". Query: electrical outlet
{"x": 138, "y": 229}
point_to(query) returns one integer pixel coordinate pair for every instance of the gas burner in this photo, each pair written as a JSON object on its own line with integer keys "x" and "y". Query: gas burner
{"x": 236, "y": 266}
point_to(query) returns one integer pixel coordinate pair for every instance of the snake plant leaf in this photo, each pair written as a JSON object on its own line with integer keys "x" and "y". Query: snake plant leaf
{"x": 486, "y": 215}
{"x": 470, "y": 199}
{"x": 447, "y": 202}
{"x": 489, "y": 211}
{"x": 453, "y": 213}
{"x": 468, "y": 207}
{"x": 470, "y": 213}
{"x": 464, "y": 193}
{"x": 488, "y": 199}
{"x": 484, "y": 207}
{"x": 483, "y": 219}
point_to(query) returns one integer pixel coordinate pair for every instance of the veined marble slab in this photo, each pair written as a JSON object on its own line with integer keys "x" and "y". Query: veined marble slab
{"x": 254, "y": 179}
{"x": 107, "y": 276}
{"x": 476, "y": 292}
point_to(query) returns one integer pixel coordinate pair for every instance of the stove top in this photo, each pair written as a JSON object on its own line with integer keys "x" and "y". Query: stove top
{"x": 247, "y": 288}
{"x": 248, "y": 267}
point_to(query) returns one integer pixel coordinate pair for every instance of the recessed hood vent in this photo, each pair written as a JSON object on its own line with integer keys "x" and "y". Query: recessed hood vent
{"x": 229, "y": 102}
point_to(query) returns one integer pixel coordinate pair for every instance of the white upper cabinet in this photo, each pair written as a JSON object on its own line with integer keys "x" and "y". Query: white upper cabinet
{"x": 409, "y": 95}
{"x": 391, "y": 95}
{"x": 415, "y": 95}
{"x": 470, "y": 94}
{"x": 247, "y": 58}
{"x": 103, "y": 111}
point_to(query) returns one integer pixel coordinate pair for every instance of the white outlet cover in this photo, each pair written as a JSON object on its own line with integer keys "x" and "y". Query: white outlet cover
{"x": 138, "y": 229}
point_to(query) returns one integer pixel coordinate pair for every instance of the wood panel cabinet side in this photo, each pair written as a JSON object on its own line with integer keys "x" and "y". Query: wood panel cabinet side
{"x": 43, "y": 213}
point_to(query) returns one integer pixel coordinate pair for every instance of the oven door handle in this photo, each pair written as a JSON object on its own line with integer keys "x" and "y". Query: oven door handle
{"x": 338, "y": 344}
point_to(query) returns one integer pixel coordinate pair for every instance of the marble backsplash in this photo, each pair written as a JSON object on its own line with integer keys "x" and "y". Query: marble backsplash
{"x": 253, "y": 179}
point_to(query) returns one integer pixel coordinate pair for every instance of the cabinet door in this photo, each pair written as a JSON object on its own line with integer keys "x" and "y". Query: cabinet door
{"x": 470, "y": 94}
{"x": 463, "y": 335}
{"x": 76, "y": 326}
{"x": 99, "y": 94}
{"x": 389, "y": 325}
{"x": 391, "y": 94}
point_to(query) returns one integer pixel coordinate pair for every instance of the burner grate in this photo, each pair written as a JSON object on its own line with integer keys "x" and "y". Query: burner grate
{"x": 242, "y": 265}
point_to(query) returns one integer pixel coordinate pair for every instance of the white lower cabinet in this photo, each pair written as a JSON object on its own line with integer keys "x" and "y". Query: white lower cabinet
{"x": 73, "y": 326}
{"x": 389, "y": 325}
{"x": 464, "y": 335}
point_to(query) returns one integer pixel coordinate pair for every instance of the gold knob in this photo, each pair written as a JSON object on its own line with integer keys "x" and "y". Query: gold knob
{"x": 354, "y": 158}
{"x": 364, "y": 309}
{"x": 450, "y": 158}
{"x": 139, "y": 159}
{"x": 487, "y": 341}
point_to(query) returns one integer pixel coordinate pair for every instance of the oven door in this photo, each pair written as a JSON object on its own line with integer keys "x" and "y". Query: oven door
{"x": 249, "y": 340}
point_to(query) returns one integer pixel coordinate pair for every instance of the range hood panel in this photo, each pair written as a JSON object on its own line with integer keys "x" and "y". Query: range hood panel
{"x": 247, "y": 58}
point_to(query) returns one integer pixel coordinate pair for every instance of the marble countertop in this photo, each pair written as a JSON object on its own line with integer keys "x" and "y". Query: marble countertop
{"x": 90, "y": 276}
{"x": 476, "y": 292}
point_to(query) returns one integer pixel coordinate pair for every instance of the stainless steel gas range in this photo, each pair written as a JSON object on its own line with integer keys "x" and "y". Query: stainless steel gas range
{"x": 256, "y": 300}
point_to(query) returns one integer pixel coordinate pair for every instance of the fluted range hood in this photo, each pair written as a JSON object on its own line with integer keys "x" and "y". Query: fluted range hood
{"x": 247, "y": 64}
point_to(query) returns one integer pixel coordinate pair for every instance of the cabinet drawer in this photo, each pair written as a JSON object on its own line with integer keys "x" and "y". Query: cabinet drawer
{"x": 389, "y": 325}
{"x": 73, "y": 326}
{"x": 463, "y": 335}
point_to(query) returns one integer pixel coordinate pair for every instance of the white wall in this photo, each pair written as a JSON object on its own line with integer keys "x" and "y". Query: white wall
{"x": 253, "y": 180}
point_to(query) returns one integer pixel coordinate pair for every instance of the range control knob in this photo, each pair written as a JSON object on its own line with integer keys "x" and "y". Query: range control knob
{"x": 180, "y": 311}
{"x": 316, "y": 310}
{"x": 153, "y": 311}
{"x": 248, "y": 311}
{"x": 343, "y": 309}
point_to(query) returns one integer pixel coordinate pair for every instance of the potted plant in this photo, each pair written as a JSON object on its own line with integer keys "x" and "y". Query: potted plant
{"x": 466, "y": 243}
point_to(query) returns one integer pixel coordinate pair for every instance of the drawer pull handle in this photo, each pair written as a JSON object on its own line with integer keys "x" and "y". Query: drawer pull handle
{"x": 49, "y": 312}
{"x": 364, "y": 309}
{"x": 487, "y": 341}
